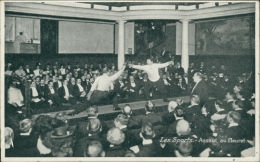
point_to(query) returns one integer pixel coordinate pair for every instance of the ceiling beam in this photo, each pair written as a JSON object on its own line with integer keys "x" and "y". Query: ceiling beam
{"x": 79, "y": 12}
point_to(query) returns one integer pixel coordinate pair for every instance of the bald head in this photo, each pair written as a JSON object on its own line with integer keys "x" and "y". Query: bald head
{"x": 127, "y": 109}
{"x": 183, "y": 127}
{"x": 172, "y": 105}
{"x": 94, "y": 149}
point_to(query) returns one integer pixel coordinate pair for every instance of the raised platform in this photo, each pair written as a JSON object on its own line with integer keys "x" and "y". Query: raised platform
{"x": 108, "y": 109}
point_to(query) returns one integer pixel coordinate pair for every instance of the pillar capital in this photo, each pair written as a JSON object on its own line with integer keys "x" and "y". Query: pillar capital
{"x": 185, "y": 20}
{"x": 121, "y": 21}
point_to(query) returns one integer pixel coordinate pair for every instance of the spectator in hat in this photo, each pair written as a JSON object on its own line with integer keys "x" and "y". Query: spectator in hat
{"x": 115, "y": 137}
{"x": 61, "y": 140}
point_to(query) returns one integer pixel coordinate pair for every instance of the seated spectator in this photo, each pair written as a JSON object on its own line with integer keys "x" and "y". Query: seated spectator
{"x": 62, "y": 141}
{"x": 194, "y": 110}
{"x": 121, "y": 122}
{"x": 120, "y": 87}
{"x": 26, "y": 142}
{"x": 37, "y": 70}
{"x": 36, "y": 98}
{"x": 150, "y": 116}
{"x": 181, "y": 86}
{"x": 51, "y": 95}
{"x": 20, "y": 72}
{"x": 9, "y": 137}
{"x": 229, "y": 98}
{"x": 133, "y": 87}
{"x": 65, "y": 93}
{"x": 148, "y": 148}
{"x": 15, "y": 97}
{"x": 183, "y": 149}
{"x": 168, "y": 85}
{"x": 221, "y": 112}
{"x": 94, "y": 149}
{"x": 93, "y": 133}
{"x": 233, "y": 132}
{"x": 115, "y": 137}
{"x": 8, "y": 69}
{"x": 169, "y": 117}
{"x": 178, "y": 114}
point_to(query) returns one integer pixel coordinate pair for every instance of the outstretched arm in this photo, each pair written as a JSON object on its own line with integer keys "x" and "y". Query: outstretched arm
{"x": 139, "y": 67}
{"x": 117, "y": 74}
{"x": 165, "y": 64}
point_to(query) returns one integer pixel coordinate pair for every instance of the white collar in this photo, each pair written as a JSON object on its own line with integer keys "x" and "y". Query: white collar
{"x": 177, "y": 118}
{"x": 230, "y": 100}
{"x": 122, "y": 127}
{"x": 42, "y": 149}
{"x": 238, "y": 109}
{"x": 148, "y": 112}
{"x": 147, "y": 141}
{"x": 192, "y": 105}
{"x": 27, "y": 133}
{"x": 232, "y": 125}
{"x": 220, "y": 110}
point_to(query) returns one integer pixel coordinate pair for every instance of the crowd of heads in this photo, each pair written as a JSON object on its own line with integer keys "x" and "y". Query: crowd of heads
{"x": 150, "y": 134}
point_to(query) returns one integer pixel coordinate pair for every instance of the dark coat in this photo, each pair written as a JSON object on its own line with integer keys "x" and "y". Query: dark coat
{"x": 202, "y": 91}
{"x": 153, "y": 118}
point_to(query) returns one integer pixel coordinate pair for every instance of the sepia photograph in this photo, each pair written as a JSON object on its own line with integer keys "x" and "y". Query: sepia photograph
{"x": 130, "y": 80}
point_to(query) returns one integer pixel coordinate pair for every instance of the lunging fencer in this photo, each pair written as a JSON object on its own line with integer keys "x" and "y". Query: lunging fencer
{"x": 100, "y": 91}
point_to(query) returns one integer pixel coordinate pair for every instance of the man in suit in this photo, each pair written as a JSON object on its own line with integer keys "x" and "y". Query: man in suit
{"x": 169, "y": 117}
{"x": 65, "y": 93}
{"x": 115, "y": 137}
{"x": 121, "y": 122}
{"x": 51, "y": 95}
{"x": 234, "y": 132}
{"x": 200, "y": 89}
{"x": 121, "y": 88}
{"x": 194, "y": 110}
{"x": 150, "y": 116}
{"x": 133, "y": 87}
{"x": 93, "y": 133}
{"x": 149, "y": 147}
{"x": 78, "y": 91}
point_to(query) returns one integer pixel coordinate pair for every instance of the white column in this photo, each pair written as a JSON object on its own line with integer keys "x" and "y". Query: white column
{"x": 185, "y": 46}
{"x": 121, "y": 44}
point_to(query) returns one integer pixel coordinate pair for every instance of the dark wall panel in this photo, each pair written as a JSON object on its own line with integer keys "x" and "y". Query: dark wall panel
{"x": 49, "y": 37}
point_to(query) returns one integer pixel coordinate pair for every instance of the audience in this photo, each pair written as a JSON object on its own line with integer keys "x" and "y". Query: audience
{"x": 155, "y": 132}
